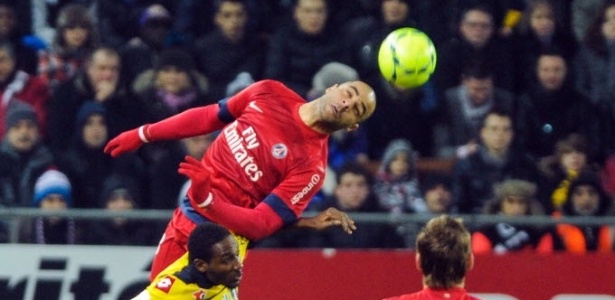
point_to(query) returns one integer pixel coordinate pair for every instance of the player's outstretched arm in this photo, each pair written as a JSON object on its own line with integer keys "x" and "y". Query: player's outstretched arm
{"x": 192, "y": 122}
{"x": 327, "y": 218}
{"x": 127, "y": 141}
{"x": 252, "y": 223}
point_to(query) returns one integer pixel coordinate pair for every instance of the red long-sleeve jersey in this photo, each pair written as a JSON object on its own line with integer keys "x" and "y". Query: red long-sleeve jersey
{"x": 266, "y": 163}
{"x": 436, "y": 294}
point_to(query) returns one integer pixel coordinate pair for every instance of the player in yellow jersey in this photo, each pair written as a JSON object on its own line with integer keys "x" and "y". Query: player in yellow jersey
{"x": 210, "y": 270}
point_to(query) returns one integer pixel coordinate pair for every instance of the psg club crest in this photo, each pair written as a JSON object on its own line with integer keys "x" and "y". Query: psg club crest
{"x": 279, "y": 151}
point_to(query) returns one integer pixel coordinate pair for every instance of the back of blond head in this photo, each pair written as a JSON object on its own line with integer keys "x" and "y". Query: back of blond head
{"x": 444, "y": 249}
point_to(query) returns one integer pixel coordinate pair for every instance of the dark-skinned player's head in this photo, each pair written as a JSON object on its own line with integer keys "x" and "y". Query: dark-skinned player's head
{"x": 215, "y": 253}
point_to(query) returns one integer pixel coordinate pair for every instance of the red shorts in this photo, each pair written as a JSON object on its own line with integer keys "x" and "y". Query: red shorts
{"x": 174, "y": 242}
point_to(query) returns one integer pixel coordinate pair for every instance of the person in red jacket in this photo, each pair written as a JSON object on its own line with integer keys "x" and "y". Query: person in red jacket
{"x": 16, "y": 84}
{"x": 444, "y": 256}
{"x": 264, "y": 167}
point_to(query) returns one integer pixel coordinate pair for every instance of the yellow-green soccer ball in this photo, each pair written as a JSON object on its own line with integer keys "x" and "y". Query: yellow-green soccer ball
{"x": 407, "y": 58}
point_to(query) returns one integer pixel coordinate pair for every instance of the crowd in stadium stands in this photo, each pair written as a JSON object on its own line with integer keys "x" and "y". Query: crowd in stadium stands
{"x": 520, "y": 112}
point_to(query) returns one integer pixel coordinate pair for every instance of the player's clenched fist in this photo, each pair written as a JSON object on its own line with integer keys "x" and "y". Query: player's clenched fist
{"x": 199, "y": 193}
{"x": 127, "y": 141}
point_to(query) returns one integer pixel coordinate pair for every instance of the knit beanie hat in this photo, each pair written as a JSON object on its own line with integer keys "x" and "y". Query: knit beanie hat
{"x": 393, "y": 148}
{"x": 18, "y": 111}
{"x": 175, "y": 58}
{"x": 242, "y": 81}
{"x": 52, "y": 182}
{"x": 87, "y": 109}
{"x": 155, "y": 13}
{"x": 333, "y": 73}
{"x": 587, "y": 178}
{"x": 116, "y": 185}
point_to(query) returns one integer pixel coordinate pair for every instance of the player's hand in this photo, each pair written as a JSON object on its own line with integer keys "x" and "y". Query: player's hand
{"x": 127, "y": 141}
{"x": 199, "y": 192}
{"x": 331, "y": 217}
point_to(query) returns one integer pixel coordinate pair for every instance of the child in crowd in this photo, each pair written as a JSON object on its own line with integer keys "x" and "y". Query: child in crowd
{"x": 52, "y": 192}
{"x": 396, "y": 185}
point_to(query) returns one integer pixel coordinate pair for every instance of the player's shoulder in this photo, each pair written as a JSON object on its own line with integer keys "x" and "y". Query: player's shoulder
{"x": 268, "y": 85}
{"x": 404, "y": 297}
{"x": 275, "y": 87}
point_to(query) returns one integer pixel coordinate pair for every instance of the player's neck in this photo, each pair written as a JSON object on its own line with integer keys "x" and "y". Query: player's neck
{"x": 307, "y": 113}
{"x": 460, "y": 285}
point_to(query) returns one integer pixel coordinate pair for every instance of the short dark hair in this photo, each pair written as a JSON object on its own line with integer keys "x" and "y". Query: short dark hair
{"x": 354, "y": 168}
{"x": 202, "y": 238}
{"x": 572, "y": 142}
{"x": 218, "y": 3}
{"x": 498, "y": 111}
{"x": 477, "y": 68}
{"x": 444, "y": 247}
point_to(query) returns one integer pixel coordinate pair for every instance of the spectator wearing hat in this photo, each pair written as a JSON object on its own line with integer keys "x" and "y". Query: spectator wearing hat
{"x": 119, "y": 193}
{"x": 99, "y": 81}
{"x": 513, "y": 198}
{"x": 396, "y": 185}
{"x": 52, "y": 192}
{"x": 16, "y": 84}
{"x": 74, "y": 38}
{"x": 22, "y": 155}
{"x": 84, "y": 161}
{"x": 570, "y": 158}
{"x": 229, "y": 50}
{"x": 143, "y": 51}
{"x": 586, "y": 198}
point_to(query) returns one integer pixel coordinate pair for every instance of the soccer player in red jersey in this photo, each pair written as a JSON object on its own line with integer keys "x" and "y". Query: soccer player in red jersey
{"x": 444, "y": 255}
{"x": 266, "y": 164}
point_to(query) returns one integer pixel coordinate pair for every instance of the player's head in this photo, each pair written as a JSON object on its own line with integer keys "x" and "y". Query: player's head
{"x": 344, "y": 106}
{"x": 444, "y": 253}
{"x": 214, "y": 252}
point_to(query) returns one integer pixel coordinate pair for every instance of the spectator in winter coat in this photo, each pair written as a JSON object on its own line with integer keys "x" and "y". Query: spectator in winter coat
{"x": 397, "y": 186}
{"x": 513, "y": 198}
